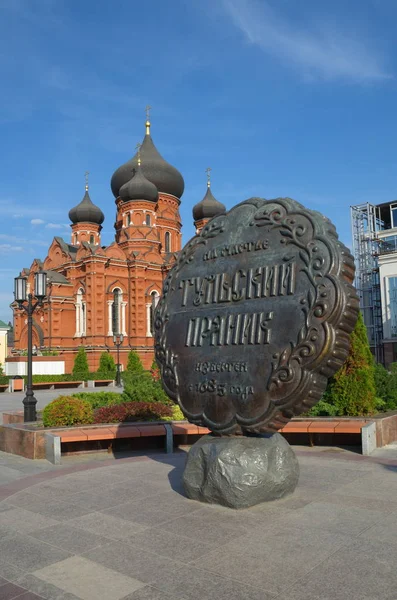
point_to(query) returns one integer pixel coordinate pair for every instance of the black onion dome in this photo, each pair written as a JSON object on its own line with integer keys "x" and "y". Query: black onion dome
{"x": 138, "y": 188}
{"x": 164, "y": 176}
{"x": 86, "y": 212}
{"x": 208, "y": 207}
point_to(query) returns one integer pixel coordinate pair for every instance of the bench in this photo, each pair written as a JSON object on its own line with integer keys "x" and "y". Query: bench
{"x": 366, "y": 429}
{"x": 55, "y": 438}
{"x": 54, "y": 385}
{"x": 92, "y": 383}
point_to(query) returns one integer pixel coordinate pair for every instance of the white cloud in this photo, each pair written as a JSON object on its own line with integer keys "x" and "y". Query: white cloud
{"x": 7, "y": 248}
{"x": 54, "y": 226}
{"x": 320, "y": 53}
{"x": 17, "y": 240}
{"x": 37, "y": 222}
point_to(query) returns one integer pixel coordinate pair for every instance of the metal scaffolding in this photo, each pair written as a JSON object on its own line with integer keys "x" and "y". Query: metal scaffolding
{"x": 366, "y": 223}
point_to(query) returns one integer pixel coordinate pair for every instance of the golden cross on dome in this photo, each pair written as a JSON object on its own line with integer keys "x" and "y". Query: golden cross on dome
{"x": 148, "y": 109}
{"x": 208, "y": 171}
{"x": 86, "y": 180}
{"x": 138, "y": 149}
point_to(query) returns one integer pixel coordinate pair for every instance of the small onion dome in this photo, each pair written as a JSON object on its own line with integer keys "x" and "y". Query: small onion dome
{"x": 86, "y": 212}
{"x": 208, "y": 207}
{"x": 138, "y": 188}
{"x": 163, "y": 175}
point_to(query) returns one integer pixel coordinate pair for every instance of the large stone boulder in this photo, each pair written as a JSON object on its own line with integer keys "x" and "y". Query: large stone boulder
{"x": 240, "y": 471}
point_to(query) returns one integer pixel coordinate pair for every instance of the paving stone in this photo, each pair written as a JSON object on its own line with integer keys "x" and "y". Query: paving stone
{"x": 131, "y": 560}
{"x": 151, "y": 593}
{"x": 27, "y": 553}
{"x": 42, "y": 588}
{"x": 69, "y": 538}
{"x": 361, "y": 571}
{"x": 56, "y": 509}
{"x": 385, "y": 530}
{"x": 138, "y": 513}
{"x": 9, "y": 591}
{"x": 170, "y": 545}
{"x": 107, "y": 526}
{"x": 198, "y": 528}
{"x": 333, "y": 518}
{"x": 258, "y": 558}
{"x": 7, "y": 571}
{"x": 197, "y": 584}
{"x": 23, "y": 521}
{"x": 88, "y": 580}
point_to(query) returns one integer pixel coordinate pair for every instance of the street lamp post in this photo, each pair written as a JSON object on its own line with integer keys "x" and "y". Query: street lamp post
{"x": 21, "y": 296}
{"x": 118, "y": 340}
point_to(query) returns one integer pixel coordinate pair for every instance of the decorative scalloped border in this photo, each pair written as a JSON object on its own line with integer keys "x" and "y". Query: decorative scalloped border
{"x": 300, "y": 358}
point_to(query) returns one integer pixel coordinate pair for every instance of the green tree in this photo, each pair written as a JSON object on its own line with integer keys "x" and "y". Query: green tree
{"x": 80, "y": 367}
{"x": 134, "y": 364}
{"x": 386, "y": 386}
{"x": 107, "y": 366}
{"x": 352, "y": 389}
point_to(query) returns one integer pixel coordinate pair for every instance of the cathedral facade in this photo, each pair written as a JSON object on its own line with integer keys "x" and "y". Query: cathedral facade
{"x": 95, "y": 291}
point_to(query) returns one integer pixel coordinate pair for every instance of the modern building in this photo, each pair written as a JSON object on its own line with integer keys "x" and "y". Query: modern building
{"x": 374, "y": 229}
{"x": 95, "y": 290}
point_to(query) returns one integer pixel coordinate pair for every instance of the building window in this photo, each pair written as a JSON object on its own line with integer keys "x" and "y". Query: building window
{"x": 167, "y": 241}
{"x": 128, "y": 219}
{"x": 116, "y": 313}
{"x": 148, "y": 220}
{"x": 393, "y": 305}
{"x": 393, "y": 211}
{"x": 150, "y": 309}
{"x": 92, "y": 240}
{"x": 81, "y": 317}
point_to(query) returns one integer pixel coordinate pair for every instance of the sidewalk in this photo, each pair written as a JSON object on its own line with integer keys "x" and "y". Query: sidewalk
{"x": 121, "y": 529}
{"x": 13, "y": 401}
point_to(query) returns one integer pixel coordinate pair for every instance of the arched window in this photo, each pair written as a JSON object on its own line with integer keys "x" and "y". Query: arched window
{"x": 92, "y": 239}
{"x": 81, "y": 317}
{"x": 167, "y": 241}
{"x": 148, "y": 220}
{"x": 150, "y": 310}
{"x": 128, "y": 219}
{"x": 116, "y": 313}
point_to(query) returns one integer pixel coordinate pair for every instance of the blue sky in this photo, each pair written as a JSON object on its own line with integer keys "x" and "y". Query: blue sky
{"x": 279, "y": 97}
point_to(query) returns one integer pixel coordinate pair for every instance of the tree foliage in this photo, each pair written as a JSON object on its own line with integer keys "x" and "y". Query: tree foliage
{"x": 80, "y": 367}
{"x": 134, "y": 364}
{"x": 107, "y": 366}
{"x": 351, "y": 391}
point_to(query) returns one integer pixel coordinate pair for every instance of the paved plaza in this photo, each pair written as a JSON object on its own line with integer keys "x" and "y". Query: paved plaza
{"x": 120, "y": 528}
{"x": 13, "y": 401}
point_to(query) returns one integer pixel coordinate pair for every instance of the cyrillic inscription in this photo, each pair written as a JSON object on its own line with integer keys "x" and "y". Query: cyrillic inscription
{"x": 229, "y": 330}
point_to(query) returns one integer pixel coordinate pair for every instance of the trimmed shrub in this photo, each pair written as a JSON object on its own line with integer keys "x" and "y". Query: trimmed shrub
{"x": 66, "y": 411}
{"x": 107, "y": 366}
{"x": 132, "y": 411}
{"x": 99, "y": 399}
{"x": 352, "y": 389}
{"x": 80, "y": 367}
{"x": 134, "y": 364}
{"x": 50, "y": 378}
{"x": 142, "y": 388}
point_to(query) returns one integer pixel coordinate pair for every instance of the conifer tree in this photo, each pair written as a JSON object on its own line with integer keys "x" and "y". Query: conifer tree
{"x": 80, "y": 367}
{"x": 352, "y": 389}
{"x": 107, "y": 366}
{"x": 134, "y": 364}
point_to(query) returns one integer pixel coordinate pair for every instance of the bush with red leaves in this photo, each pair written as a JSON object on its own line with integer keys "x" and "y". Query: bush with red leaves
{"x": 133, "y": 411}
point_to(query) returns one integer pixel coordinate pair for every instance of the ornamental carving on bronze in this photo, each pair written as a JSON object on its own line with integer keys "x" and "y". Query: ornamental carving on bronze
{"x": 255, "y": 316}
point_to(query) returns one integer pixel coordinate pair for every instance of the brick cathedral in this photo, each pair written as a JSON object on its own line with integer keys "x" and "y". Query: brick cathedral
{"x": 95, "y": 291}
